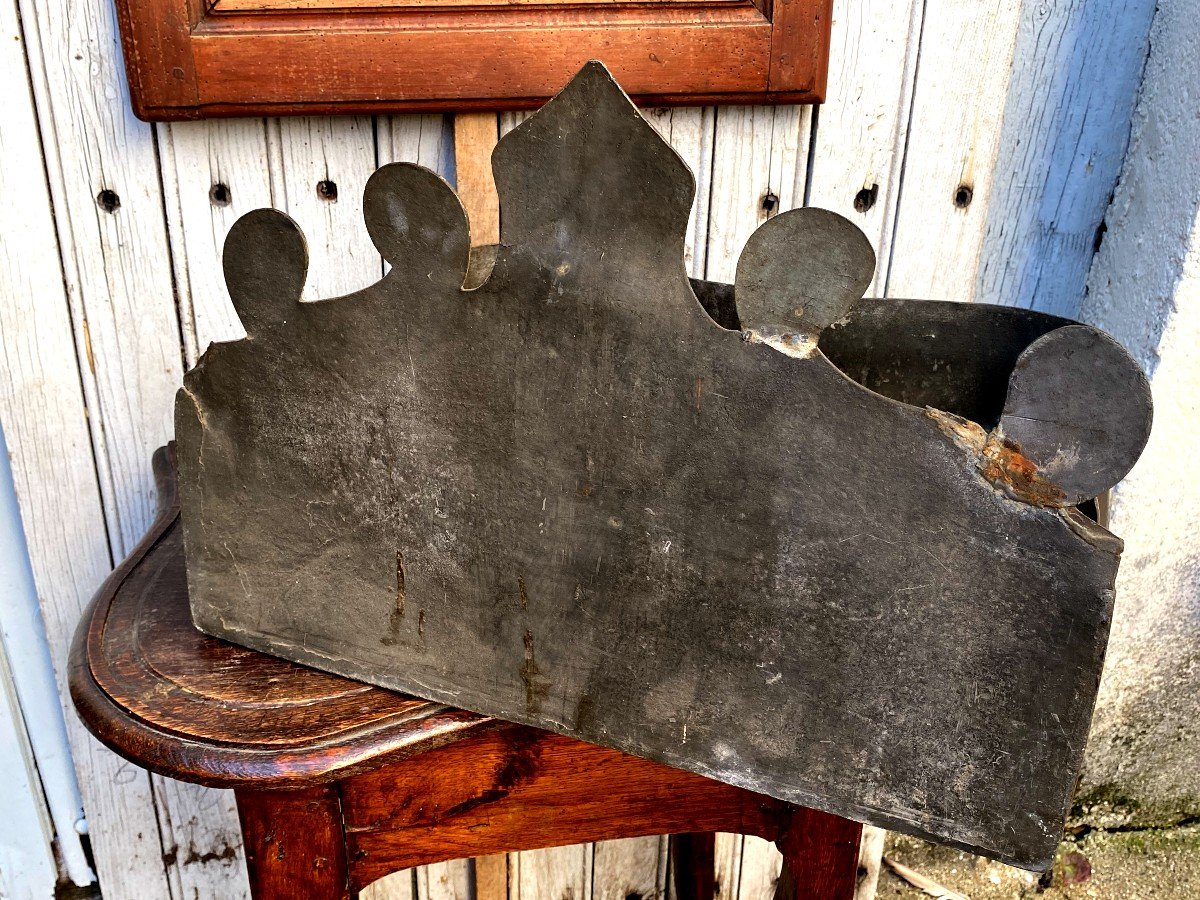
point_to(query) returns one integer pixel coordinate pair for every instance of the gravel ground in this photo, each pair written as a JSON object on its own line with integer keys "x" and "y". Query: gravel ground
{"x": 1158, "y": 863}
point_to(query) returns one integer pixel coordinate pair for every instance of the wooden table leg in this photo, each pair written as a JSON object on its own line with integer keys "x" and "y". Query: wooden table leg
{"x": 295, "y": 844}
{"x": 820, "y": 857}
{"x": 693, "y": 864}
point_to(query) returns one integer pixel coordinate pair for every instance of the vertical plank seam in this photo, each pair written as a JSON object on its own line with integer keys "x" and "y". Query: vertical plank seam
{"x": 702, "y": 247}
{"x": 175, "y": 235}
{"x": 814, "y": 122}
{"x": 181, "y": 316}
{"x": 908, "y": 119}
{"x": 171, "y": 873}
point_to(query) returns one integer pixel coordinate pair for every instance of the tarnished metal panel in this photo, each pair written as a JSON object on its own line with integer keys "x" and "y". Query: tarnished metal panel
{"x": 570, "y": 498}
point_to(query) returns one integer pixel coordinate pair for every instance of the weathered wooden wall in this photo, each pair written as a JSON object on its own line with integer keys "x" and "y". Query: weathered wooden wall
{"x": 111, "y": 287}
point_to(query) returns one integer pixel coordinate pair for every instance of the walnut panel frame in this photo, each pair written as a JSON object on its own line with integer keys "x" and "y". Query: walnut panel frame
{"x": 191, "y": 59}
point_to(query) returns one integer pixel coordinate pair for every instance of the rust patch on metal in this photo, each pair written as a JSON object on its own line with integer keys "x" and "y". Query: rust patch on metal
{"x": 1001, "y": 461}
{"x": 1007, "y": 468}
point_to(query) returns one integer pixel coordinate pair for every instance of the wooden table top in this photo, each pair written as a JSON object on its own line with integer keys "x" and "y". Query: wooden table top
{"x": 166, "y": 696}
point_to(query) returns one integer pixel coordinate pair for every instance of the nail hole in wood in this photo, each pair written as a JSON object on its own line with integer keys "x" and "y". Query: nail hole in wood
{"x": 327, "y": 190}
{"x": 108, "y": 201}
{"x": 770, "y": 202}
{"x": 866, "y": 198}
{"x": 220, "y": 195}
{"x": 963, "y": 195}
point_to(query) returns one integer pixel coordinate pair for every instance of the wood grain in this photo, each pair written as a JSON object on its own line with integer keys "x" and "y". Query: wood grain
{"x": 294, "y": 843}
{"x": 1068, "y": 105}
{"x": 859, "y": 135}
{"x": 273, "y": 722}
{"x": 83, "y": 364}
{"x": 953, "y": 140}
{"x": 45, "y": 417}
{"x": 234, "y": 59}
{"x": 475, "y": 136}
{"x": 319, "y": 167}
{"x": 533, "y": 789}
{"x": 760, "y": 162}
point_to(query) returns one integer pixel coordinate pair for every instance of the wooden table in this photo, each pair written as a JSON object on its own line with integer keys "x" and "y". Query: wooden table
{"x": 339, "y": 783}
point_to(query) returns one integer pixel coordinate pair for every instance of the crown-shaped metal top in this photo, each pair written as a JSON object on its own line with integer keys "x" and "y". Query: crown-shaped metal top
{"x": 726, "y": 534}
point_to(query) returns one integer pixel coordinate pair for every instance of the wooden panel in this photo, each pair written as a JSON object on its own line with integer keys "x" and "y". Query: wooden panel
{"x": 103, "y": 176}
{"x": 397, "y": 886}
{"x": 235, "y": 6}
{"x": 319, "y": 167}
{"x": 761, "y": 864}
{"x": 1074, "y": 81}
{"x": 728, "y": 860}
{"x": 491, "y": 877}
{"x": 475, "y": 136}
{"x": 294, "y": 843}
{"x": 859, "y": 133}
{"x": 213, "y": 173}
{"x": 248, "y": 57}
{"x": 27, "y": 866}
{"x": 242, "y": 67}
{"x": 690, "y": 132}
{"x": 555, "y": 872}
{"x": 628, "y": 868}
{"x": 952, "y": 143}
{"x": 445, "y": 881}
{"x": 760, "y": 160}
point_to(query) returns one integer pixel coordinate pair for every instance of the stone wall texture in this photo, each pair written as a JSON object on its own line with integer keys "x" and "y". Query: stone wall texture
{"x": 1144, "y": 287}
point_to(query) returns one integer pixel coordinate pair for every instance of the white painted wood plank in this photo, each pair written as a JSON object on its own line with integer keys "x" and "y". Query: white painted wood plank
{"x": 445, "y": 881}
{"x": 41, "y": 400}
{"x": 728, "y": 864}
{"x": 859, "y": 134}
{"x": 558, "y": 873}
{"x": 962, "y": 75}
{"x": 397, "y": 886}
{"x": 760, "y": 156}
{"x": 312, "y": 157}
{"x": 870, "y": 862}
{"x": 116, "y": 263}
{"x": 1076, "y": 71}
{"x": 630, "y": 869}
{"x": 203, "y": 837}
{"x": 213, "y": 173}
{"x": 690, "y": 132}
{"x": 511, "y": 119}
{"x": 761, "y": 864}
{"x": 425, "y": 140}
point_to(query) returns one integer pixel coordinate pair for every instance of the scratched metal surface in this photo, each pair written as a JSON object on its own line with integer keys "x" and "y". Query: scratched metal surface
{"x": 572, "y": 499}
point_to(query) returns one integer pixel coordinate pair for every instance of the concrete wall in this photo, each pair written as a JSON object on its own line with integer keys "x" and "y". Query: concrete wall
{"x": 1144, "y": 288}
